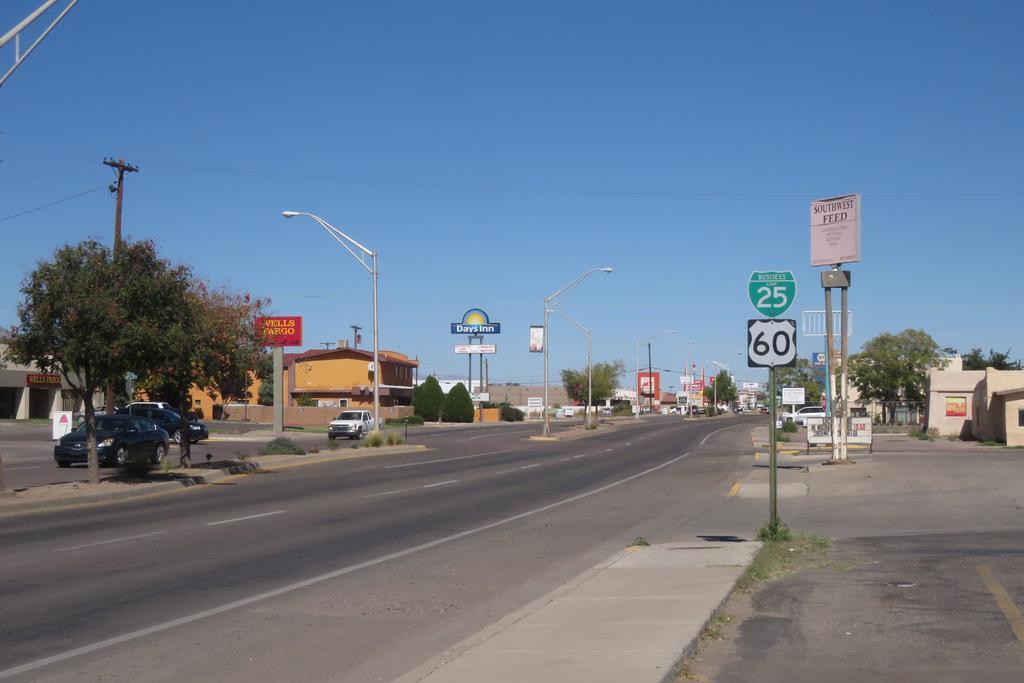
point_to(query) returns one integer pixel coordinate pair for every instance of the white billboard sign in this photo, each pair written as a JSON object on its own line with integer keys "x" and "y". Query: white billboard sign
{"x": 835, "y": 230}
{"x": 819, "y": 431}
{"x": 480, "y": 397}
{"x": 793, "y": 396}
{"x": 476, "y": 348}
{"x": 534, "y": 402}
{"x": 751, "y": 385}
{"x": 536, "y": 339}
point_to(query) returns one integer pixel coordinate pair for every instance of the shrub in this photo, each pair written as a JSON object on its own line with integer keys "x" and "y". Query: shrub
{"x": 622, "y": 409}
{"x": 305, "y": 401}
{"x": 509, "y": 413}
{"x": 428, "y": 398}
{"x": 458, "y": 406}
{"x": 374, "y": 440}
{"x": 710, "y": 411}
{"x": 282, "y": 446}
{"x": 789, "y": 426}
{"x": 394, "y": 439}
{"x": 412, "y": 420}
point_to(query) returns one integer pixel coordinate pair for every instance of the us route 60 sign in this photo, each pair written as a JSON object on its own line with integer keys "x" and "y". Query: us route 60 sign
{"x": 771, "y": 343}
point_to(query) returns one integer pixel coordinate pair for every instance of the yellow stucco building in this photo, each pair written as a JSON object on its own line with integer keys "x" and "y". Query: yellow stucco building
{"x": 343, "y": 377}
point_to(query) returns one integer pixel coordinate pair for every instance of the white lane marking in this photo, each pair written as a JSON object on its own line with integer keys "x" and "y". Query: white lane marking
{"x": 715, "y": 432}
{"x": 457, "y": 457}
{"x": 439, "y": 483}
{"x": 386, "y": 493}
{"x": 526, "y": 467}
{"x": 241, "y": 519}
{"x": 608, "y": 450}
{"x": 312, "y": 581}
{"x": 581, "y": 455}
{"x": 505, "y": 471}
{"x": 564, "y": 459}
{"x": 629, "y": 443}
{"x": 112, "y": 540}
{"x": 486, "y": 436}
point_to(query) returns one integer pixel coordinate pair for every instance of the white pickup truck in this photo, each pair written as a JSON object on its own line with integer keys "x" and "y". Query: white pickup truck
{"x": 351, "y": 424}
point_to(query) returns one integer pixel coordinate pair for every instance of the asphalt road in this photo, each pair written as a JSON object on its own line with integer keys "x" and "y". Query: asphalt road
{"x": 27, "y": 449}
{"x": 354, "y": 570}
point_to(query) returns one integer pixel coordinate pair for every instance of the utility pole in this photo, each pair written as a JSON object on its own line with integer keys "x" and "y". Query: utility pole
{"x": 355, "y": 336}
{"x": 121, "y": 167}
{"x": 650, "y": 380}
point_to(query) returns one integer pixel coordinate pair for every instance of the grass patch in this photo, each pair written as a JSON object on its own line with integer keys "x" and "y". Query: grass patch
{"x": 781, "y": 436}
{"x": 394, "y": 439}
{"x": 639, "y": 542}
{"x": 789, "y": 426}
{"x": 991, "y": 442}
{"x": 282, "y": 446}
{"x": 374, "y": 440}
{"x": 780, "y": 558}
{"x": 918, "y": 434}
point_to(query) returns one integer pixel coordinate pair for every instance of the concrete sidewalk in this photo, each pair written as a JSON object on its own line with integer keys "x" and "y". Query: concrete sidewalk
{"x": 631, "y": 618}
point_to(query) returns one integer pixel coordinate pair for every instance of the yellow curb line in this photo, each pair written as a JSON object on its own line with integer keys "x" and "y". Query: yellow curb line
{"x": 1004, "y": 601}
{"x": 734, "y": 490}
{"x": 544, "y": 438}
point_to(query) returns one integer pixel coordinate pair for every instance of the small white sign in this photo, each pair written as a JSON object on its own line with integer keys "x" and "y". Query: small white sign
{"x": 793, "y": 396}
{"x": 835, "y": 230}
{"x": 751, "y": 386}
{"x": 62, "y": 423}
{"x": 476, "y": 348}
{"x": 480, "y": 397}
{"x": 534, "y": 402}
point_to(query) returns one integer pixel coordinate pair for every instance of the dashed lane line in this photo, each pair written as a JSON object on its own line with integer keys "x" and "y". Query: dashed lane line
{"x": 457, "y": 457}
{"x": 108, "y": 541}
{"x": 440, "y": 483}
{"x": 385, "y": 493}
{"x": 242, "y": 519}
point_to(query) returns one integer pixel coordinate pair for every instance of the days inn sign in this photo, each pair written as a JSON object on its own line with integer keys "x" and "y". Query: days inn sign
{"x": 476, "y": 321}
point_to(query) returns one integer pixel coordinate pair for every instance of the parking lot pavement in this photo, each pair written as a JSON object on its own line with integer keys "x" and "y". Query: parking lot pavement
{"x": 928, "y": 607}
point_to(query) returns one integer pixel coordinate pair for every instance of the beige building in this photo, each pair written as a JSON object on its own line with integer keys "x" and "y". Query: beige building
{"x": 987, "y": 405}
{"x": 26, "y": 393}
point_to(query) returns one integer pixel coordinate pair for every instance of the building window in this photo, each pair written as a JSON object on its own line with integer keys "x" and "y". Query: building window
{"x": 1020, "y": 418}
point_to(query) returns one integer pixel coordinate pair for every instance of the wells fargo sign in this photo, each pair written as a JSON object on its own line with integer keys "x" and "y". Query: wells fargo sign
{"x": 40, "y": 379}
{"x": 285, "y": 331}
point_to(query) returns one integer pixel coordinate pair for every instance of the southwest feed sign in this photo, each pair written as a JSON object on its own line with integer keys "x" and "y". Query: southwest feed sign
{"x": 835, "y": 230}
{"x": 475, "y": 321}
{"x": 284, "y": 331}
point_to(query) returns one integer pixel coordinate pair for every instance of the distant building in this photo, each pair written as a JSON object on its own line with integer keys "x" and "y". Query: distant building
{"x": 343, "y": 378}
{"x": 27, "y": 393}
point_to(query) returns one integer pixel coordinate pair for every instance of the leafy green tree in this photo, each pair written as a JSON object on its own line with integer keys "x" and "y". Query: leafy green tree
{"x": 894, "y": 367}
{"x": 974, "y": 360}
{"x": 800, "y": 376}
{"x": 605, "y": 380}
{"x": 212, "y": 342}
{"x": 427, "y": 399}
{"x": 92, "y": 316}
{"x": 458, "y": 406}
{"x": 724, "y": 389}
{"x": 265, "y": 374}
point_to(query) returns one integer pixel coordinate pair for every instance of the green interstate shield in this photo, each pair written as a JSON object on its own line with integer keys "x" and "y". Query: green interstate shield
{"x": 772, "y": 291}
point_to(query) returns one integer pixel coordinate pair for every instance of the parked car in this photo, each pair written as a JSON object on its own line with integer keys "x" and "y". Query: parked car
{"x": 169, "y": 421}
{"x": 800, "y": 416}
{"x": 118, "y": 439}
{"x": 162, "y": 405}
{"x": 351, "y": 424}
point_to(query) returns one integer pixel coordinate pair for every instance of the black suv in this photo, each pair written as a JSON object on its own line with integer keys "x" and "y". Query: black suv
{"x": 170, "y": 422}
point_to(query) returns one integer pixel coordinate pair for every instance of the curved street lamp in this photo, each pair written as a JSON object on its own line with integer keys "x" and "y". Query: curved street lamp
{"x": 550, "y": 304}
{"x": 363, "y": 253}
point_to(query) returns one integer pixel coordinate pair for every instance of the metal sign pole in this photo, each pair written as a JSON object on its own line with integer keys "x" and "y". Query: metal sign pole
{"x": 278, "y": 354}
{"x": 772, "y": 454}
{"x": 830, "y": 354}
{"x": 844, "y": 426}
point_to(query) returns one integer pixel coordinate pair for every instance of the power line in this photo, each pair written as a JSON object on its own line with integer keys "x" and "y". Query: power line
{"x": 54, "y": 203}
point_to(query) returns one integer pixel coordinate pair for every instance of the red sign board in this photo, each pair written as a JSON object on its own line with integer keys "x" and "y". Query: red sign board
{"x": 650, "y": 384}
{"x": 40, "y": 379}
{"x": 283, "y": 331}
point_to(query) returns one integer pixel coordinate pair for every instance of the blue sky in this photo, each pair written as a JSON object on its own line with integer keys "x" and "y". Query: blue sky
{"x": 493, "y": 151}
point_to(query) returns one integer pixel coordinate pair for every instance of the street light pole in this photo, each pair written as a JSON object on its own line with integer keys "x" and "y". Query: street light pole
{"x": 590, "y": 366}
{"x": 550, "y": 304}
{"x": 351, "y": 246}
